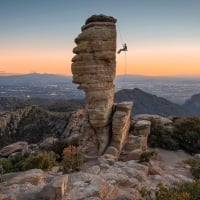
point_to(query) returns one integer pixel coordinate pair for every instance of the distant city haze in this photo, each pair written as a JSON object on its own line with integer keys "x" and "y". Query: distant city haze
{"x": 163, "y": 37}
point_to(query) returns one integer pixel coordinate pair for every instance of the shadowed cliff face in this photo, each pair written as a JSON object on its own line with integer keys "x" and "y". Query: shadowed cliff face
{"x": 146, "y": 103}
{"x": 193, "y": 104}
{"x": 31, "y": 124}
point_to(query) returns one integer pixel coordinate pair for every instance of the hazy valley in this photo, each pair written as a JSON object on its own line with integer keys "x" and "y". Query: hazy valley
{"x": 175, "y": 89}
{"x": 155, "y": 95}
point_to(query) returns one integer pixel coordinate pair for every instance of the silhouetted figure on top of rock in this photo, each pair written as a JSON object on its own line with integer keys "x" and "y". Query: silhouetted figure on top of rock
{"x": 123, "y": 49}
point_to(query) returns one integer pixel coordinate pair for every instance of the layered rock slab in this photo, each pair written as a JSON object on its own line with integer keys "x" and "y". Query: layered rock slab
{"x": 94, "y": 68}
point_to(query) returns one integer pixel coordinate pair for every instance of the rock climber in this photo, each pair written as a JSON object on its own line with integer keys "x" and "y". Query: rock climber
{"x": 123, "y": 49}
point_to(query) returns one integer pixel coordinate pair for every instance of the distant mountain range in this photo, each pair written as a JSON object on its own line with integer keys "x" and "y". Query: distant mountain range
{"x": 34, "y": 78}
{"x": 193, "y": 104}
{"x": 144, "y": 103}
{"x": 39, "y": 86}
{"x": 174, "y": 89}
{"x": 58, "y": 93}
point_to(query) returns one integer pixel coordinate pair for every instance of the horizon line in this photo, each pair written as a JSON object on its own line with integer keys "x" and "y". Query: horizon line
{"x": 70, "y": 75}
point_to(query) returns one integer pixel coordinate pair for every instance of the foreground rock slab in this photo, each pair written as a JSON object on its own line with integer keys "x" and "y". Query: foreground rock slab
{"x": 97, "y": 180}
{"x": 12, "y": 148}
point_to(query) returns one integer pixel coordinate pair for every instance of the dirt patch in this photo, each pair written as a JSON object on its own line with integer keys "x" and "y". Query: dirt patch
{"x": 171, "y": 162}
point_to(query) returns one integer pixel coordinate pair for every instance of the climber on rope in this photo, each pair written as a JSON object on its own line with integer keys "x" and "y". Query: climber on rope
{"x": 123, "y": 49}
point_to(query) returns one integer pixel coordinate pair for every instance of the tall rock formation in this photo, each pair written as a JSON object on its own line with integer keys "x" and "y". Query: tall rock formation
{"x": 93, "y": 68}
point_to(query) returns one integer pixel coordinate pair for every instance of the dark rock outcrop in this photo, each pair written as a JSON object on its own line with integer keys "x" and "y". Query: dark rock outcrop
{"x": 12, "y": 148}
{"x": 193, "y": 104}
{"x": 31, "y": 124}
{"x": 10, "y": 103}
{"x": 145, "y": 103}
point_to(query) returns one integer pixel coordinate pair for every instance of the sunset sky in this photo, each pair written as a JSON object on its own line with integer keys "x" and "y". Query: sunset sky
{"x": 163, "y": 36}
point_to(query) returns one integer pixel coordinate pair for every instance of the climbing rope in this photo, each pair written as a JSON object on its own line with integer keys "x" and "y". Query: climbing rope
{"x": 125, "y": 67}
{"x": 120, "y": 35}
{"x": 125, "y": 56}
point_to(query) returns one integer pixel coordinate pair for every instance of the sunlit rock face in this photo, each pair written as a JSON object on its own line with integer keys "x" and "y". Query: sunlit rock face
{"x": 93, "y": 68}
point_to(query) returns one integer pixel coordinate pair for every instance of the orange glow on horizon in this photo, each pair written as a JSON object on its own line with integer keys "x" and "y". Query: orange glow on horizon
{"x": 144, "y": 61}
{"x": 160, "y": 62}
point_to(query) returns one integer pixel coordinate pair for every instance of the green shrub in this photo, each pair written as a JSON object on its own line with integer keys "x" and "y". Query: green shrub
{"x": 43, "y": 161}
{"x": 183, "y": 191}
{"x": 176, "y": 193}
{"x": 195, "y": 167}
{"x": 184, "y": 135}
{"x": 161, "y": 137}
{"x": 6, "y": 165}
{"x": 187, "y": 134}
{"x": 192, "y": 188}
{"x": 72, "y": 159}
{"x": 58, "y": 147}
{"x": 13, "y": 164}
{"x": 24, "y": 162}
